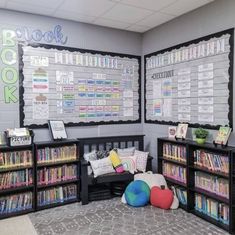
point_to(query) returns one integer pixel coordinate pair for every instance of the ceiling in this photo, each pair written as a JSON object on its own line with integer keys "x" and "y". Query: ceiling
{"x": 131, "y": 15}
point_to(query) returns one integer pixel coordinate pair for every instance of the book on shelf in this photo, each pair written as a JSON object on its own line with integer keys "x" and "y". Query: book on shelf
{"x": 175, "y": 152}
{"x": 56, "y": 174}
{"x": 181, "y": 194}
{"x": 16, "y": 159}
{"x": 175, "y": 172}
{"x": 212, "y": 208}
{"x": 16, "y": 179}
{"x": 65, "y": 153}
{"x": 212, "y": 184}
{"x": 223, "y": 135}
{"x": 15, "y": 203}
{"x": 57, "y": 194}
{"x": 211, "y": 161}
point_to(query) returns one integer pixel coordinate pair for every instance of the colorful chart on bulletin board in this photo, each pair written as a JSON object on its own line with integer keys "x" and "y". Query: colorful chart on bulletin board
{"x": 191, "y": 82}
{"x": 80, "y": 87}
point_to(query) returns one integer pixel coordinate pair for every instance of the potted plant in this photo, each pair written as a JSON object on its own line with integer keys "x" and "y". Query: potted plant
{"x": 201, "y": 135}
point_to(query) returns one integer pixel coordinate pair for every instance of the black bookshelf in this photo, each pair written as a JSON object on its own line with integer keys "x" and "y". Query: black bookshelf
{"x": 50, "y": 164}
{"x": 190, "y": 187}
{"x": 18, "y": 189}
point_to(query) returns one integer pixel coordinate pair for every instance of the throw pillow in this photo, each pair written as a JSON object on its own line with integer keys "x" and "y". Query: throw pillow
{"x": 141, "y": 160}
{"x": 117, "y": 164}
{"x": 102, "y": 154}
{"x": 129, "y": 164}
{"x": 102, "y": 166}
{"x": 90, "y": 156}
{"x": 126, "y": 152}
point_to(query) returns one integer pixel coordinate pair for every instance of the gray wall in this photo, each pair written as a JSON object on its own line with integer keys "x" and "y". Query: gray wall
{"x": 80, "y": 35}
{"x": 214, "y": 17}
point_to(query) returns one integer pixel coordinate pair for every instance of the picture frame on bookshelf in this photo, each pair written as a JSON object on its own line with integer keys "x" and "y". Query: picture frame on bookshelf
{"x": 57, "y": 129}
{"x": 181, "y": 131}
{"x": 172, "y": 131}
{"x": 223, "y": 135}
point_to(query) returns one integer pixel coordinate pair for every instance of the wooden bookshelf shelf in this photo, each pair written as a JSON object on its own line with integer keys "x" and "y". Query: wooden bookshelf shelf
{"x": 173, "y": 181}
{"x": 41, "y": 186}
{"x": 15, "y": 168}
{"x": 16, "y": 189}
{"x": 220, "y": 174}
{"x": 57, "y": 204}
{"x": 58, "y": 163}
{"x": 211, "y": 195}
{"x": 215, "y": 156}
{"x": 173, "y": 161}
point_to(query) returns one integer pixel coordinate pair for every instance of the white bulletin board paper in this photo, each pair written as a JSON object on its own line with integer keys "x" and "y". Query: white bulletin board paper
{"x": 191, "y": 82}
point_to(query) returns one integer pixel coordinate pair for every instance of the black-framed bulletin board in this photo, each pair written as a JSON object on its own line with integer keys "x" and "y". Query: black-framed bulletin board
{"x": 191, "y": 82}
{"x": 78, "y": 86}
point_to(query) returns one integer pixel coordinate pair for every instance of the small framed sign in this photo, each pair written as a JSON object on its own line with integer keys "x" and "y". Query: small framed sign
{"x": 57, "y": 129}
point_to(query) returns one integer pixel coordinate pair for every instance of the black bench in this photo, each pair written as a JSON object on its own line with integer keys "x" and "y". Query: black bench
{"x": 106, "y": 143}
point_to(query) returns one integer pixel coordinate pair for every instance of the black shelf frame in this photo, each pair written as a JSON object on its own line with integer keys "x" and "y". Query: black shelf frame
{"x": 19, "y": 189}
{"x": 53, "y": 144}
{"x": 191, "y": 146}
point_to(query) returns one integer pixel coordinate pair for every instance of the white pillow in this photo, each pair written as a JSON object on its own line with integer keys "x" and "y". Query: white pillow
{"x": 141, "y": 160}
{"x": 129, "y": 164}
{"x": 102, "y": 166}
{"x": 126, "y": 152}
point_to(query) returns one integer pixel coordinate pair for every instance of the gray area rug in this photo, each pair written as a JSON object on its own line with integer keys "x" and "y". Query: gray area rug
{"x": 112, "y": 217}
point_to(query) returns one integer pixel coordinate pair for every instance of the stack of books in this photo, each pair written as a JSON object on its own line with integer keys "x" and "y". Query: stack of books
{"x": 57, "y": 194}
{"x": 56, "y": 174}
{"x": 15, "y": 203}
{"x": 175, "y": 152}
{"x": 213, "y": 184}
{"x": 175, "y": 172}
{"x": 15, "y": 159}
{"x": 212, "y": 208}
{"x": 211, "y": 161}
{"x": 65, "y": 153}
{"x": 16, "y": 179}
{"x": 181, "y": 195}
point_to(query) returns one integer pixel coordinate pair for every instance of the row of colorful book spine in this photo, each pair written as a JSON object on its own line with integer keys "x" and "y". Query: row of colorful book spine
{"x": 211, "y": 161}
{"x": 15, "y": 203}
{"x": 57, "y": 194}
{"x": 56, "y": 174}
{"x": 181, "y": 194}
{"x": 16, "y": 179}
{"x": 15, "y": 159}
{"x": 174, "y": 171}
{"x": 175, "y": 152}
{"x": 212, "y": 208}
{"x": 65, "y": 153}
{"x": 213, "y": 184}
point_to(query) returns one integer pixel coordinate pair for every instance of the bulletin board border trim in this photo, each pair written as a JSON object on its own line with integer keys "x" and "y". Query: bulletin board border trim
{"x": 230, "y": 83}
{"x": 72, "y": 49}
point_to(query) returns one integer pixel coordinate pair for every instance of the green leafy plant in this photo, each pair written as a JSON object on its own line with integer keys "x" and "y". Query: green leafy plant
{"x": 201, "y": 133}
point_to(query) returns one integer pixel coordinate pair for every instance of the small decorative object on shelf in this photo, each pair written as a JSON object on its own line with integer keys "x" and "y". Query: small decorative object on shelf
{"x": 57, "y": 129}
{"x": 222, "y": 136}
{"x": 201, "y": 135}
{"x": 172, "y": 131}
{"x": 181, "y": 131}
{"x": 19, "y": 137}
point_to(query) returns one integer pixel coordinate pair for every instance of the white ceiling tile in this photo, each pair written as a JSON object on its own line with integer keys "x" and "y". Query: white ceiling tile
{"x": 155, "y": 5}
{"x": 155, "y": 19}
{"x": 70, "y": 15}
{"x": 29, "y": 8}
{"x": 138, "y": 28}
{"x": 126, "y": 13}
{"x": 43, "y": 3}
{"x": 87, "y": 7}
{"x": 111, "y": 23}
{"x": 2, "y": 3}
{"x": 183, "y": 6}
